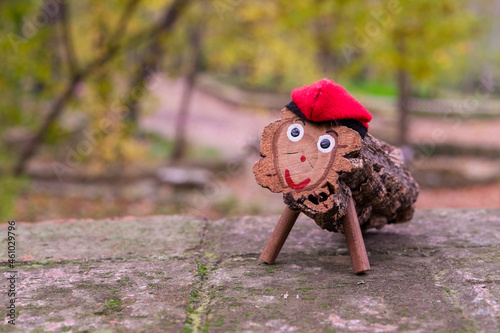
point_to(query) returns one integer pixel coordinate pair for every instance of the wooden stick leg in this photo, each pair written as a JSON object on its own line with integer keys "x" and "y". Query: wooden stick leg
{"x": 279, "y": 235}
{"x": 355, "y": 241}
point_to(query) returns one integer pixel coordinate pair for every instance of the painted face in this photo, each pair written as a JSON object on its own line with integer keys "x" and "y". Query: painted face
{"x": 304, "y": 159}
{"x": 304, "y": 153}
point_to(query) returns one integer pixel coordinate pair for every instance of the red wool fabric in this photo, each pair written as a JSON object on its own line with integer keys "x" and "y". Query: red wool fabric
{"x": 326, "y": 100}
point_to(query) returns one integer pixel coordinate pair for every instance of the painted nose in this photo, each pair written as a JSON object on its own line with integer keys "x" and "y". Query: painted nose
{"x": 302, "y": 158}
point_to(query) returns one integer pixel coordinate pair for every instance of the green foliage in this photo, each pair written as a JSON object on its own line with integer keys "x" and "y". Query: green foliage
{"x": 279, "y": 45}
{"x": 202, "y": 270}
{"x": 424, "y": 37}
{"x": 372, "y": 88}
{"x": 112, "y": 305}
{"x": 10, "y": 188}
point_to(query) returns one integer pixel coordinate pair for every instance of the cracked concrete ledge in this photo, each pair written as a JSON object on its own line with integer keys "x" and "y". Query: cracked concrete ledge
{"x": 438, "y": 273}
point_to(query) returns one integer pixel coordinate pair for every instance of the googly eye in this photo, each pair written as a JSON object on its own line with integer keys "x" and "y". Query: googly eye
{"x": 326, "y": 143}
{"x": 295, "y": 132}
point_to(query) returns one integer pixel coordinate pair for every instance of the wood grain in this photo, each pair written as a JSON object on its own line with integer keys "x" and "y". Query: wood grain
{"x": 279, "y": 235}
{"x": 355, "y": 241}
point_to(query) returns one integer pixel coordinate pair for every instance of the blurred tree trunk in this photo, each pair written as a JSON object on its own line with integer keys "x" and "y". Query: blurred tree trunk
{"x": 148, "y": 64}
{"x": 172, "y": 13}
{"x": 404, "y": 94}
{"x": 492, "y": 47}
{"x": 180, "y": 143}
{"x": 67, "y": 41}
{"x": 323, "y": 30}
{"x": 324, "y": 51}
{"x": 62, "y": 18}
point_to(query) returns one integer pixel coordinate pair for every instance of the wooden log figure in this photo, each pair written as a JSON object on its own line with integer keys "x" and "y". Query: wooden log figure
{"x": 320, "y": 156}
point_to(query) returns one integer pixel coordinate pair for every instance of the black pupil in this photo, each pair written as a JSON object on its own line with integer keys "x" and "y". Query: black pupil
{"x": 325, "y": 143}
{"x": 295, "y": 132}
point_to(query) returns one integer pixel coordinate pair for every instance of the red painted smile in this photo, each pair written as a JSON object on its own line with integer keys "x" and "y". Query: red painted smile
{"x": 291, "y": 184}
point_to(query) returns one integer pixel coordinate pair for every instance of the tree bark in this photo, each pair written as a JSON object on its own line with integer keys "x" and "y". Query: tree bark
{"x": 383, "y": 190}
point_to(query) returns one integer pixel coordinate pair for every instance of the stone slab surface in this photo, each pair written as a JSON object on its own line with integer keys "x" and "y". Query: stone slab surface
{"x": 129, "y": 237}
{"x": 121, "y": 296}
{"x": 438, "y": 273}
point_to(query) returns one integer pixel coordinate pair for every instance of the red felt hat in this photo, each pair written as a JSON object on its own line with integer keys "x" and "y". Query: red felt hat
{"x": 326, "y": 100}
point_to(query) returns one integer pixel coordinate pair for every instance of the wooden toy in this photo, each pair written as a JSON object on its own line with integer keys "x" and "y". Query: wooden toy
{"x": 320, "y": 156}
